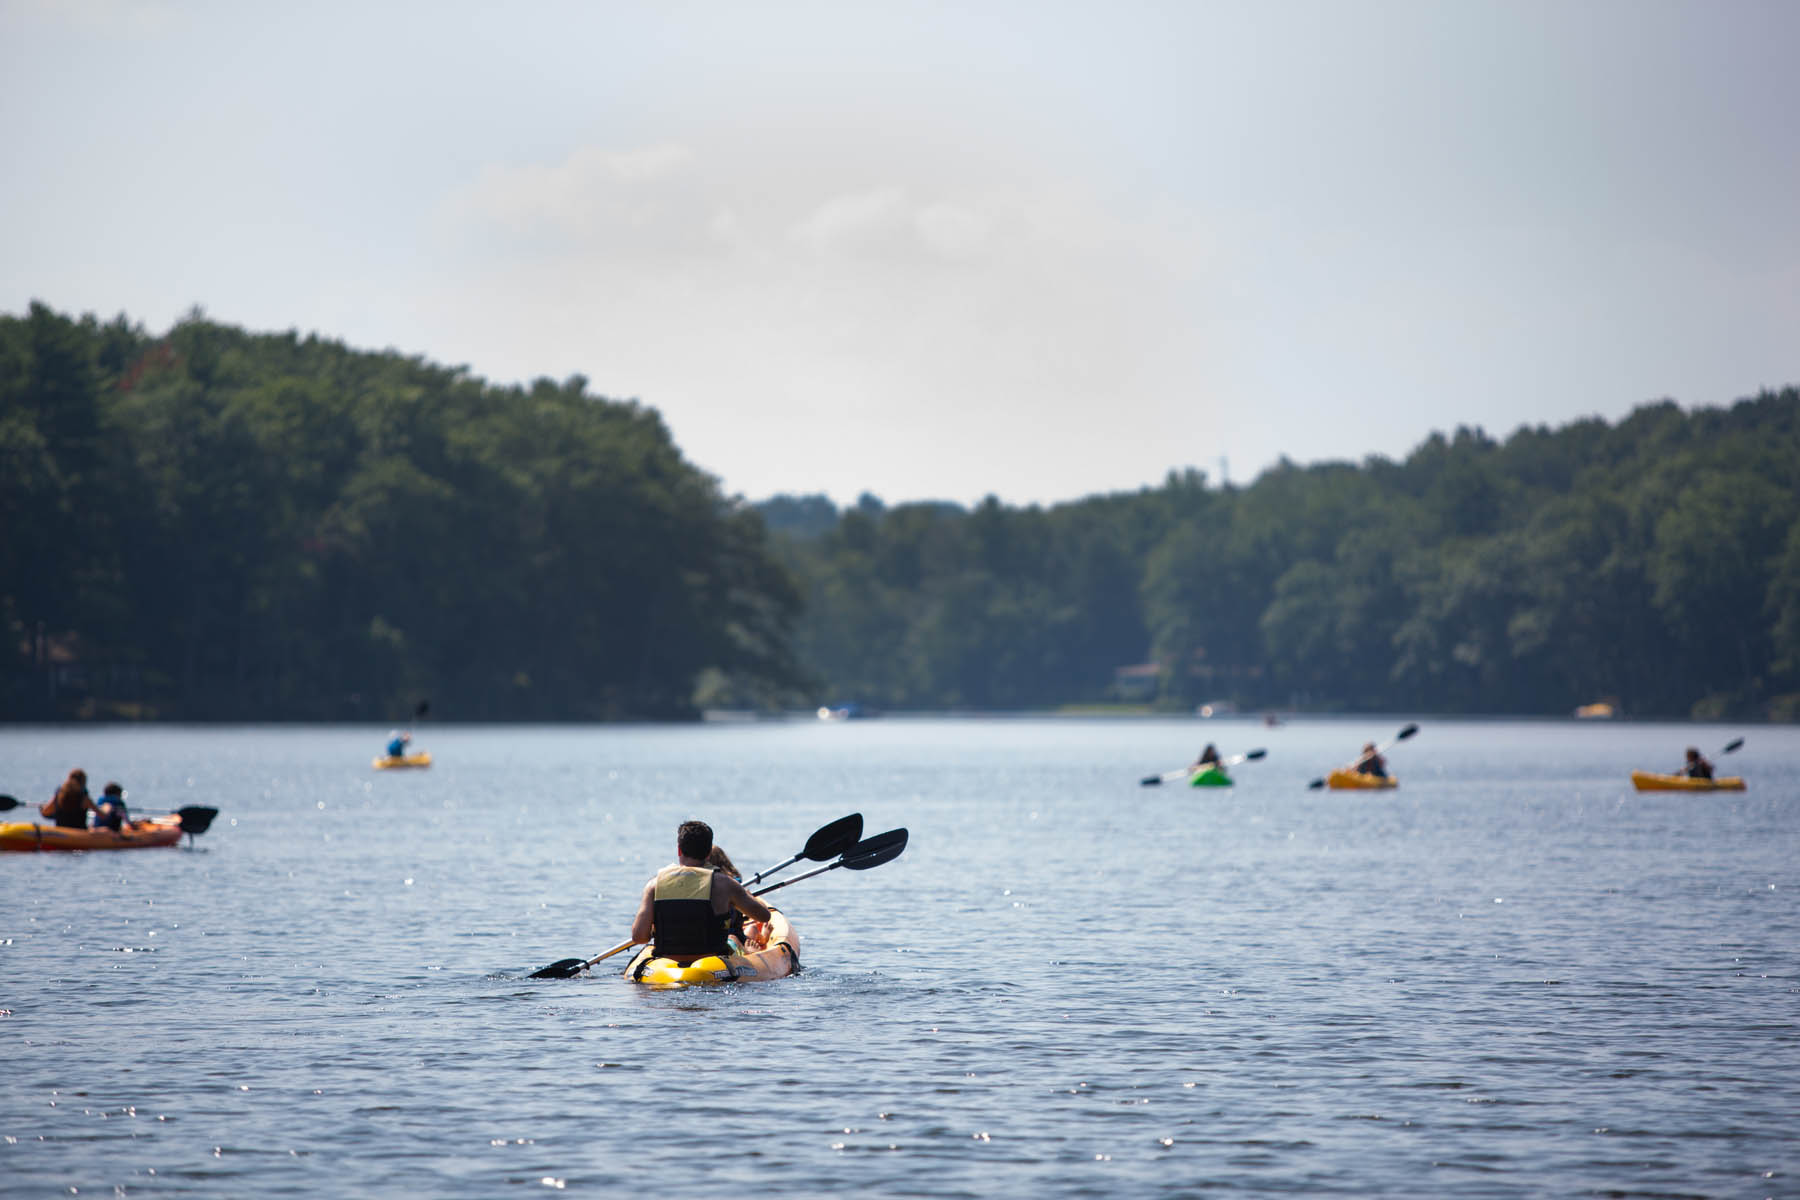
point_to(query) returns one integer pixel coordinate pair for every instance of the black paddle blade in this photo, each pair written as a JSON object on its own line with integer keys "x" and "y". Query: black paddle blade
{"x": 7, "y": 802}
{"x": 1150, "y": 780}
{"x": 424, "y": 707}
{"x": 196, "y": 819}
{"x": 1730, "y": 746}
{"x": 1315, "y": 785}
{"x": 834, "y": 839}
{"x": 1253, "y": 755}
{"x": 562, "y": 968}
{"x": 872, "y": 852}
{"x": 1406, "y": 733}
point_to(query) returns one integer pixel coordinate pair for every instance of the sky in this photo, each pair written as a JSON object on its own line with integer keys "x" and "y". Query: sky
{"x": 946, "y": 250}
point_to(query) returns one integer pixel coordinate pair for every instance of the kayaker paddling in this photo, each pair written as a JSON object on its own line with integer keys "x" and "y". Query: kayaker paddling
{"x": 685, "y": 909}
{"x": 1697, "y": 767}
{"x": 1208, "y": 757}
{"x": 70, "y": 807}
{"x": 1371, "y": 762}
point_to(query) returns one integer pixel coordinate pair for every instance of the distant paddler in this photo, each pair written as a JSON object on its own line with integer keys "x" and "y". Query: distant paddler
{"x": 1697, "y": 767}
{"x": 1369, "y": 770}
{"x": 111, "y": 812}
{"x": 1208, "y": 769}
{"x": 71, "y": 804}
{"x": 1371, "y": 763}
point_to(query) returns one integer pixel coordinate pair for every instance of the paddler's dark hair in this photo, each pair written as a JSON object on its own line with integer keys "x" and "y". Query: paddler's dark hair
{"x": 694, "y": 839}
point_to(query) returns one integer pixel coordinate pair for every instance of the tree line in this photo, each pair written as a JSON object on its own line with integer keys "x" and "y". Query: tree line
{"x": 1653, "y": 564}
{"x": 215, "y": 524}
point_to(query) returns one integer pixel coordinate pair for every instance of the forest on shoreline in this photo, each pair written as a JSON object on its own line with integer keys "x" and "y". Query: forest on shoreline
{"x": 220, "y": 525}
{"x": 213, "y": 524}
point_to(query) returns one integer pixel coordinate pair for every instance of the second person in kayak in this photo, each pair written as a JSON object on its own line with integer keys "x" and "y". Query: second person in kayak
{"x": 686, "y": 910}
{"x": 111, "y": 813}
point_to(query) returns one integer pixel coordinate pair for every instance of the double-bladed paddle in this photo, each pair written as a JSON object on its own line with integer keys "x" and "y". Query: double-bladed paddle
{"x": 870, "y": 852}
{"x": 826, "y": 844}
{"x": 1182, "y": 772}
{"x": 1730, "y": 747}
{"x": 194, "y": 819}
{"x": 1405, "y": 732}
{"x": 568, "y": 968}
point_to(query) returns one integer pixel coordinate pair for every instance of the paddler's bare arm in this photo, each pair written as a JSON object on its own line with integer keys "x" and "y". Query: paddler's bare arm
{"x": 641, "y": 925}
{"x": 740, "y": 899}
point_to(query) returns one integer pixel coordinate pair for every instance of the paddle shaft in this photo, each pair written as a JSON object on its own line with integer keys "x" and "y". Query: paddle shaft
{"x": 776, "y": 887}
{"x": 828, "y": 841}
{"x": 194, "y": 818}
{"x": 1730, "y": 748}
{"x": 618, "y": 949}
{"x": 870, "y": 852}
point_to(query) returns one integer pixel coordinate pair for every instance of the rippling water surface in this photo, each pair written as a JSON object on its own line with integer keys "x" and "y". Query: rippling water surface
{"x": 1512, "y": 977}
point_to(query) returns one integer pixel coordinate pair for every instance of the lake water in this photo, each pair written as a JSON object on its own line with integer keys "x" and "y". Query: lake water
{"x": 1513, "y": 976}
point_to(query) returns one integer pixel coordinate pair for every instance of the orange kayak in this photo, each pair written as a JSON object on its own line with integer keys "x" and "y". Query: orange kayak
{"x": 26, "y": 835}
{"x": 1356, "y": 779}
{"x": 1650, "y": 781}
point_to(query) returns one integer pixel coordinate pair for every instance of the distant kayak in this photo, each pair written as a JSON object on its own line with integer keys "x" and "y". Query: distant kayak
{"x": 25, "y": 835}
{"x": 779, "y": 956}
{"x": 1211, "y": 776}
{"x": 1650, "y": 781}
{"x": 386, "y": 763}
{"x": 1343, "y": 779}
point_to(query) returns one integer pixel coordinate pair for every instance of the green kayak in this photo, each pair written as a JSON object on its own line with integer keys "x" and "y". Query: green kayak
{"x": 1212, "y": 776}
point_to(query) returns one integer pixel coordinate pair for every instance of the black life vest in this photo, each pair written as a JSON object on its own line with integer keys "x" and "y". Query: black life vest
{"x": 685, "y": 924}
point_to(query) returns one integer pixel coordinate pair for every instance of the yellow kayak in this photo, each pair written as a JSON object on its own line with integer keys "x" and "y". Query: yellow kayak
{"x": 1650, "y": 781}
{"x": 421, "y": 759}
{"x": 779, "y": 955}
{"x": 1357, "y": 780}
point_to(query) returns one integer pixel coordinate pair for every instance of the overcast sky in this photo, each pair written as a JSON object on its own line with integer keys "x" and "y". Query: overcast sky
{"x": 930, "y": 250}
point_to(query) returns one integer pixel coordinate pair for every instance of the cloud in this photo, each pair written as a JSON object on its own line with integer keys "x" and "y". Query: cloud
{"x": 951, "y": 230}
{"x": 738, "y": 295}
{"x": 590, "y": 196}
{"x": 863, "y": 223}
